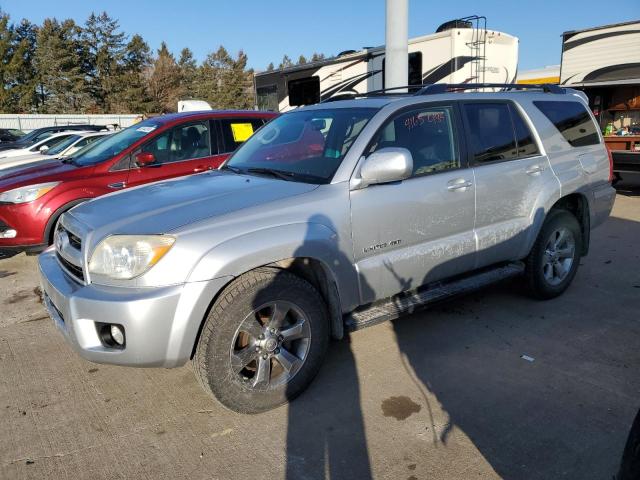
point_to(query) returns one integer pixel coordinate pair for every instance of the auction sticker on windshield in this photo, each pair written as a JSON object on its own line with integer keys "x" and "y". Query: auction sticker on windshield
{"x": 146, "y": 129}
{"x": 241, "y": 131}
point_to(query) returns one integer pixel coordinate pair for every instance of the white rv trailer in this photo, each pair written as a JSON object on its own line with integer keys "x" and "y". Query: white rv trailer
{"x": 604, "y": 62}
{"x": 461, "y": 51}
{"x": 601, "y": 56}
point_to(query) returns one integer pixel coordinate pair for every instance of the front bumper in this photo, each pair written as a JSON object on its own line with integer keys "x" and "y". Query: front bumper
{"x": 161, "y": 324}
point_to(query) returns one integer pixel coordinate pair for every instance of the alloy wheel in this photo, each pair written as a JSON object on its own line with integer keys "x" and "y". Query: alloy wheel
{"x": 270, "y": 345}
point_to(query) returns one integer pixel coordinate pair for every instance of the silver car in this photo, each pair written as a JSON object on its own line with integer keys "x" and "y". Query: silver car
{"x": 329, "y": 218}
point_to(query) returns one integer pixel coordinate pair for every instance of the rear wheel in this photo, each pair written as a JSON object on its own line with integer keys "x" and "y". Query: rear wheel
{"x": 553, "y": 261}
{"x": 263, "y": 342}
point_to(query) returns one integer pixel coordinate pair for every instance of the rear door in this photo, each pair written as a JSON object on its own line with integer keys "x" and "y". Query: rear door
{"x": 510, "y": 174}
{"x": 183, "y": 150}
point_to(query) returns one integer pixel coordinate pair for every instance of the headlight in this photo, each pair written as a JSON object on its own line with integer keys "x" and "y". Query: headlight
{"x": 123, "y": 257}
{"x": 27, "y": 194}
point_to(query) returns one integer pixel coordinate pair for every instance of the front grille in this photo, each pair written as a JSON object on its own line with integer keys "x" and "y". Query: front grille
{"x": 70, "y": 267}
{"x": 74, "y": 241}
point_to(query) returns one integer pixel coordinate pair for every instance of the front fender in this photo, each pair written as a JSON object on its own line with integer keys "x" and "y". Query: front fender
{"x": 241, "y": 254}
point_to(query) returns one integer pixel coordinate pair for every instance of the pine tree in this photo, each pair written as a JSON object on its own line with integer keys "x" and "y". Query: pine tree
{"x": 225, "y": 82}
{"x": 285, "y": 63}
{"x": 271, "y": 67}
{"x": 134, "y": 96}
{"x": 21, "y": 70}
{"x": 164, "y": 81}
{"x": 302, "y": 60}
{"x": 316, "y": 57}
{"x": 6, "y": 39}
{"x": 62, "y": 84}
{"x": 188, "y": 74}
{"x": 104, "y": 50}
{"x": 212, "y": 77}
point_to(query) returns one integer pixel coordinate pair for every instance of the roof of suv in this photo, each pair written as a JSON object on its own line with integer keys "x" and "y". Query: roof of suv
{"x": 381, "y": 101}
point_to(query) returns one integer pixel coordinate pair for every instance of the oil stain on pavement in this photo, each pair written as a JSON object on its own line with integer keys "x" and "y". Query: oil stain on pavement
{"x": 399, "y": 408}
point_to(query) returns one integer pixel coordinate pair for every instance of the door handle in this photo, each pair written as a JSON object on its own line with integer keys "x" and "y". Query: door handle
{"x": 458, "y": 184}
{"x": 202, "y": 168}
{"x": 117, "y": 185}
{"x": 535, "y": 169}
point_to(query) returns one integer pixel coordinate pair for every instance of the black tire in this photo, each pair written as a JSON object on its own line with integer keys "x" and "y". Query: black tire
{"x": 539, "y": 285}
{"x": 222, "y": 329}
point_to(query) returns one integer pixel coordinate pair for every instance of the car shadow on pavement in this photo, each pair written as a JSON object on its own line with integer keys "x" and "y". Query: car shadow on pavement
{"x": 545, "y": 417}
{"x": 329, "y": 446}
{"x": 562, "y": 414}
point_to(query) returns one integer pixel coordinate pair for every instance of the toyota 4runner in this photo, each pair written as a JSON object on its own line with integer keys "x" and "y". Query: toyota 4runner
{"x": 329, "y": 218}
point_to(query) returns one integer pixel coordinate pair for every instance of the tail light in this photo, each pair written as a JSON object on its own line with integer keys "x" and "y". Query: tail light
{"x": 610, "y": 165}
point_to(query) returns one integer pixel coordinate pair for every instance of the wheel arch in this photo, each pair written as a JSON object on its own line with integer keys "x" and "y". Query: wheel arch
{"x": 53, "y": 219}
{"x": 308, "y": 250}
{"x": 577, "y": 204}
{"x": 314, "y": 271}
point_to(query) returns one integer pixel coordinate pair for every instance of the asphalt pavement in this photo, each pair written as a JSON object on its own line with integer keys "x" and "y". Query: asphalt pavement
{"x": 490, "y": 385}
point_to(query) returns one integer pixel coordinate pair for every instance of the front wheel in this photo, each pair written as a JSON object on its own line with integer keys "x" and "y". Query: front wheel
{"x": 555, "y": 256}
{"x": 263, "y": 341}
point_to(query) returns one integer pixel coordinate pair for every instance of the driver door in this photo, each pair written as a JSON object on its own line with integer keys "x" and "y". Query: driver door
{"x": 410, "y": 233}
{"x": 182, "y": 150}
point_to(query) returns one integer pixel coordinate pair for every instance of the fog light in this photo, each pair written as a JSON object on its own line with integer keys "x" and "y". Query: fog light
{"x": 117, "y": 334}
{"x": 8, "y": 234}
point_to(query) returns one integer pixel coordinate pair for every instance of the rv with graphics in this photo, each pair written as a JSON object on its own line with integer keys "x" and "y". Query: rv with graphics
{"x": 461, "y": 51}
{"x": 604, "y": 62}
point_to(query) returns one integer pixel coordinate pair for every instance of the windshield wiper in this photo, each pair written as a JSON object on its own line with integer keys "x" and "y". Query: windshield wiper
{"x": 274, "y": 173}
{"x": 280, "y": 174}
{"x": 230, "y": 168}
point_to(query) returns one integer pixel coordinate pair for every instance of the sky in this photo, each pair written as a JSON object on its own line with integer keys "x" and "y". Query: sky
{"x": 266, "y": 30}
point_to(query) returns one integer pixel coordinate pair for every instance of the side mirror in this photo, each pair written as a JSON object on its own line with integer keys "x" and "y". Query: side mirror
{"x": 145, "y": 158}
{"x": 387, "y": 165}
{"x": 43, "y": 148}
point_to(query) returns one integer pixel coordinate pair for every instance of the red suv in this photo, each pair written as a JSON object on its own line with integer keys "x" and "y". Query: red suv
{"x": 32, "y": 198}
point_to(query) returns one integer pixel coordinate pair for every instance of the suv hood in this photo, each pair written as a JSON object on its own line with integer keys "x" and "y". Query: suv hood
{"x": 165, "y": 206}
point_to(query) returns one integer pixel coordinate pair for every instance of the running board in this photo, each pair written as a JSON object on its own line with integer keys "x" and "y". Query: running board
{"x": 399, "y": 305}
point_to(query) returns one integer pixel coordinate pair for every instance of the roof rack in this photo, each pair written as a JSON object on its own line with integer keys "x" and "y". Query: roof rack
{"x": 436, "y": 88}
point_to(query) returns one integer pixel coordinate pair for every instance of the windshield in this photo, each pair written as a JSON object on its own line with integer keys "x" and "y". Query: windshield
{"x": 114, "y": 144}
{"x": 62, "y": 146}
{"x": 308, "y": 146}
{"x": 30, "y": 138}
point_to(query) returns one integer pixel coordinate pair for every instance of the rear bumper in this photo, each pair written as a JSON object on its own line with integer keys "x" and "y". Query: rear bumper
{"x": 161, "y": 324}
{"x": 602, "y": 200}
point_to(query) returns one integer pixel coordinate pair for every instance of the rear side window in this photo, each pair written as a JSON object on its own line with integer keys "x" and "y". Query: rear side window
{"x": 491, "y": 135}
{"x": 524, "y": 138}
{"x": 572, "y": 120}
{"x": 498, "y": 132}
{"x": 235, "y": 131}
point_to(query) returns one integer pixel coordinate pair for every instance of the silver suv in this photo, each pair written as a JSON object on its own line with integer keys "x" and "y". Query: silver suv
{"x": 328, "y": 219}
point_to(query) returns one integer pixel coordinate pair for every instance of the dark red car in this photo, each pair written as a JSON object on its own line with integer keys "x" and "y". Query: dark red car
{"x": 33, "y": 197}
